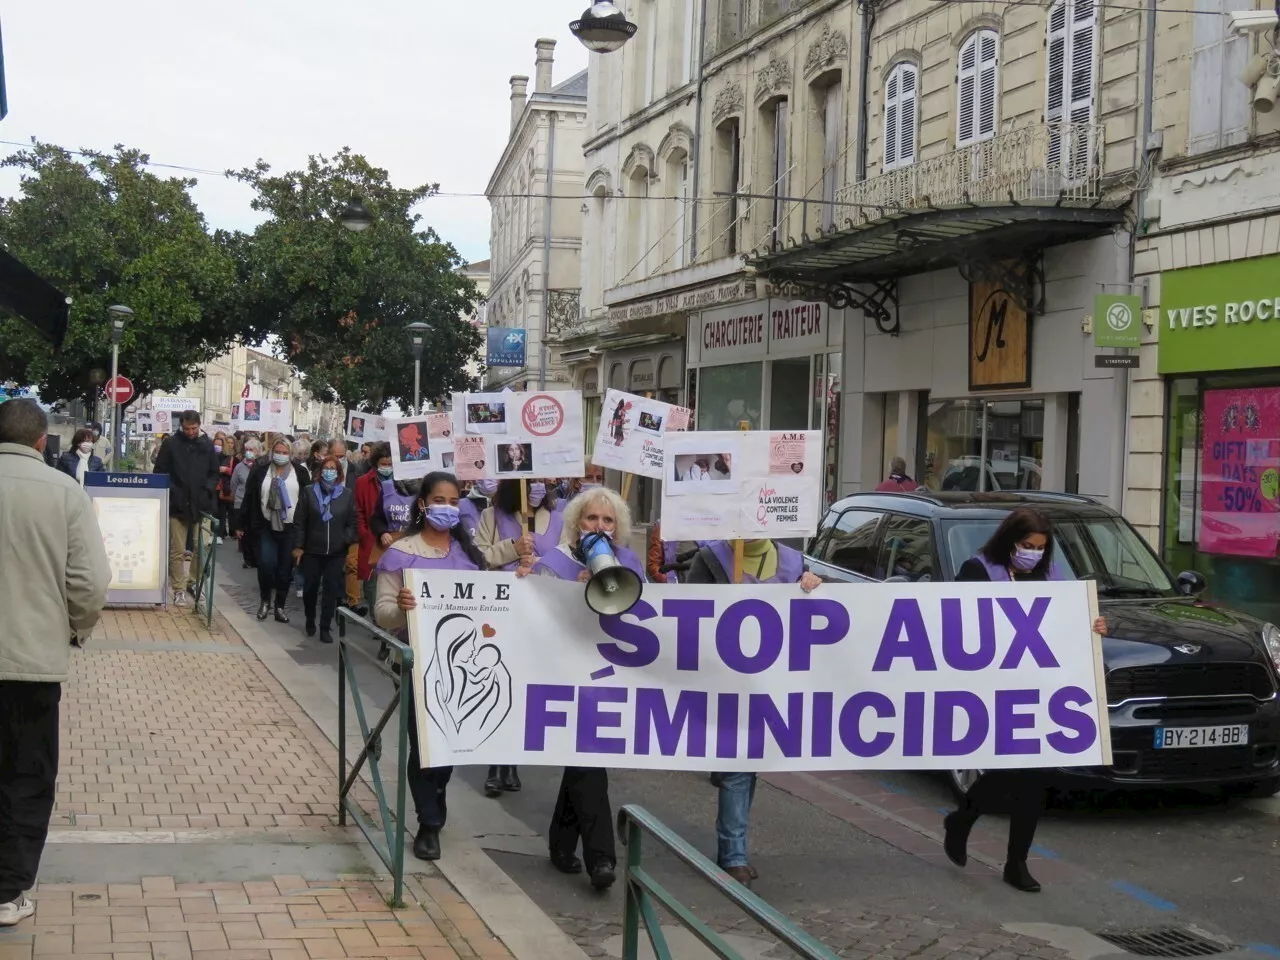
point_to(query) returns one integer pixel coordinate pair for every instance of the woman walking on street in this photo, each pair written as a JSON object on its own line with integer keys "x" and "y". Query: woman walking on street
{"x": 582, "y": 810}
{"x": 80, "y": 459}
{"x": 270, "y": 500}
{"x": 502, "y": 537}
{"x": 324, "y": 526}
{"x": 225, "y": 451}
{"x": 435, "y": 540}
{"x": 239, "y": 483}
{"x": 1020, "y": 550}
{"x": 367, "y": 489}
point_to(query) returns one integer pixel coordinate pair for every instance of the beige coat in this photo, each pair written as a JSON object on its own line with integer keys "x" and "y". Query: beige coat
{"x": 386, "y": 610}
{"x": 498, "y": 552}
{"x": 53, "y": 566}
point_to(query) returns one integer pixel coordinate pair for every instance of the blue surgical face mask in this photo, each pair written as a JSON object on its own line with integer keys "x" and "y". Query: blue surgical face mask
{"x": 537, "y": 493}
{"x": 487, "y": 487}
{"x": 1024, "y": 559}
{"x": 588, "y": 487}
{"x": 385, "y": 472}
{"x": 279, "y": 459}
{"x": 443, "y": 516}
{"x": 217, "y": 448}
{"x": 250, "y": 455}
{"x": 329, "y": 476}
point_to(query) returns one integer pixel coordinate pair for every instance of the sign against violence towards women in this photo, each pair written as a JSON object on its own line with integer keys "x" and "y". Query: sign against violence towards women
{"x": 764, "y": 678}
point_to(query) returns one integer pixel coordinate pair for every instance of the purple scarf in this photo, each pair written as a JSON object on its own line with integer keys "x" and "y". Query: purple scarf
{"x": 324, "y": 500}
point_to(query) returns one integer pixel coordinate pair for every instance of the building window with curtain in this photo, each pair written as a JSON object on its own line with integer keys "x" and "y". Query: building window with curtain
{"x": 977, "y": 83}
{"x": 901, "y": 95}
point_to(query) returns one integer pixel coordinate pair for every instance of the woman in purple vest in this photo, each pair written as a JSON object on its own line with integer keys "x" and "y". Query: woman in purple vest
{"x": 763, "y": 561}
{"x": 502, "y": 537}
{"x": 1020, "y": 549}
{"x": 434, "y": 539}
{"x": 582, "y": 806}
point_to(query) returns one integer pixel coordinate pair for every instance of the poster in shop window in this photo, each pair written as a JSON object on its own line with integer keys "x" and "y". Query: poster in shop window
{"x": 1240, "y": 472}
{"x": 632, "y": 430}
{"x": 524, "y": 436}
{"x": 742, "y": 485}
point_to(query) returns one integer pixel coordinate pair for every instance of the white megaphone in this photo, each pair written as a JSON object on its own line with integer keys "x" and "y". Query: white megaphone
{"x": 613, "y": 588}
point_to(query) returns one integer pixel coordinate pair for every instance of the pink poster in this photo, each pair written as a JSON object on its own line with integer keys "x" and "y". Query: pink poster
{"x": 1240, "y": 472}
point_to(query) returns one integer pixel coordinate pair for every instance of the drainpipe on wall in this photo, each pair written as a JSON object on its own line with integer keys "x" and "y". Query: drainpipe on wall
{"x": 867, "y": 9}
{"x": 546, "y": 253}
{"x": 697, "y": 134}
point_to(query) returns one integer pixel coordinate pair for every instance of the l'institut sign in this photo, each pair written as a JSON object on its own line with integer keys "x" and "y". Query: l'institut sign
{"x": 763, "y": 328}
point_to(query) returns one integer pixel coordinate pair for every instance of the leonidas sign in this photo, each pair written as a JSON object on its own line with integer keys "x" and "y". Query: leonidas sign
{"x": 1220, "y": 317}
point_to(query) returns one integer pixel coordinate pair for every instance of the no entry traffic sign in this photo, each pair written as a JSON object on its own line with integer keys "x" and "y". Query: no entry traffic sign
{"x": 119, "y": 389}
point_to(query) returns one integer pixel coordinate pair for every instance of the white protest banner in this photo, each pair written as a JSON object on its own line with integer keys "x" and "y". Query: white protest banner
{"x": 631, "y": 432}
{"x": 742, "y": 485}
{"x": 518, "y": 435}
{"x": 153, "y": 422}
{"x": 363, "y": 427}
{"x": 898, "y": 676}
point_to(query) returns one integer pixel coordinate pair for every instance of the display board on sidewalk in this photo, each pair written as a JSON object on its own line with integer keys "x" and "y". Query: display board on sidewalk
{"x": 760, "y": 677}
{"x": 521, "y": 436}
{"x": 631, "y": 433}
{"x": 133, "y": 515}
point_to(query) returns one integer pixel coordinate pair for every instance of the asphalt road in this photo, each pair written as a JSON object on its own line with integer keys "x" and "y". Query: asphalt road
{"x": 1139, "y": 861}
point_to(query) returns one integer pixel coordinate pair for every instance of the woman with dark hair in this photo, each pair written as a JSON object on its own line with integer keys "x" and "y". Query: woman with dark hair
{"x": 80, "y": 459}
{"x": 324, "y": 526}
{"x": 435, "y": 540}
{"x": 368, "y": 493}
{"x": 502, "y": 535}
{"x": 1021, "y": 549}
{"x": 271, "y": 497}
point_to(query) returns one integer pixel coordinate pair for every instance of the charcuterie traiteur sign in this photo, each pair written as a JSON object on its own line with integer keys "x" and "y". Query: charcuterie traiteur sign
{"x": 917, "y": 676}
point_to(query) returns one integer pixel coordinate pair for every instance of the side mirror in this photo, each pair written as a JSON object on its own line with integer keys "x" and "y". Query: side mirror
{"x": 1191, "y": 583}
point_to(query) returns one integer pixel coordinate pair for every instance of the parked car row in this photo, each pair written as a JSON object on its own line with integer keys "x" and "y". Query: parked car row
{"x": 1191, "y": 686}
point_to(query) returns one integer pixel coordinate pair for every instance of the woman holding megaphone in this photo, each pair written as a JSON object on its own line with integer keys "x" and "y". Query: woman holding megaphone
{"x": 763, "y": 561}
{"x": 595, "y": 520}
{"x": 435, "y": 539}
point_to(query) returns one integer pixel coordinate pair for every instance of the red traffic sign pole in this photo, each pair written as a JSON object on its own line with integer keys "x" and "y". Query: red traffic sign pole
{"x": 119, "y": 390}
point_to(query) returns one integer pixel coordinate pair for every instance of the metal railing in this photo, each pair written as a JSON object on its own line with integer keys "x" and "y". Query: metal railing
{"x": 398, "y": 665}
{"x": 636, "y": 823}
{"x": 206, "y": 563}
{"x": 1038, "y": 162}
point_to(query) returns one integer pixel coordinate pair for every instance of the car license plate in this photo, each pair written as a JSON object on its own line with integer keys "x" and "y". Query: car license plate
{"x": 1181, "y": 738}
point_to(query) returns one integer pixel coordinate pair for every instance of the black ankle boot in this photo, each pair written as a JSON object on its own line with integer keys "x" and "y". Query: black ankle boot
{"x": 426, "y": 845}
{"x": 1019, "y": 877}
{"x": 493, "y": 783}
{"x": 264, "y": 609}
{"x": 281, "y": 600}
{"x": 956, "y": 826}
{"x": 510, "y": 779}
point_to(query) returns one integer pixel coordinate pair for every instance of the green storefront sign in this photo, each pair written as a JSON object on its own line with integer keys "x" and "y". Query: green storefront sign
{"x": 1117, "y": 320}
{"x": 1220, "y": 317}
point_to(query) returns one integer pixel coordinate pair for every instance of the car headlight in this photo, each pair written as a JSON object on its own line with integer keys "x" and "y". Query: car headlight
{"x": 1271, "y": 637}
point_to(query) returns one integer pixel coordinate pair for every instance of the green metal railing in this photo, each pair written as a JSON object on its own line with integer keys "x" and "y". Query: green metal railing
{"x": 206, "y": 563}
{"x": 634, "y": 825}
{"x": 398, "y": 665}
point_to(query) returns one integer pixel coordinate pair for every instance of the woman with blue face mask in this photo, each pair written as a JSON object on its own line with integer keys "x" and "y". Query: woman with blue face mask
{"x": 502, "y": 535}
{"x": 1021, "y": 549}
{"x": 324, "y": 526}
{"x": 271, "y": 497}
{"x": 434, "y": 540}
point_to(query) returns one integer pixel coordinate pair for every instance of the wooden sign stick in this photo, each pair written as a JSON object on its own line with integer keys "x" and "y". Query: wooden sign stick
{"x": 626, "y": 485}
{"x": 524, "y": 506}
{"x": 739, "y": 545}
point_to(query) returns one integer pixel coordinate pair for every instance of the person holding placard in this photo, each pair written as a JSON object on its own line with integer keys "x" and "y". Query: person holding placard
{"x": 434, "y": 540}
{"x": 763, "y": 561}
{"x": 582, "y": 807}
{"x": 1021, "y": 549}
{"x": 502, "y": 536}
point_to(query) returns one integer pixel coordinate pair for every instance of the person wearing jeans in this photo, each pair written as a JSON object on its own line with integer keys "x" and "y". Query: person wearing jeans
{"x": 324, "y": 525}
{"x": 271, "y": 498}
{"x": 733, "y": 812}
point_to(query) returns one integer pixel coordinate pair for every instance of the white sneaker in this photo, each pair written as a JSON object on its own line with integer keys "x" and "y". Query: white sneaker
{"x": 16, "y": 911}
{"x": 180, "y": 598}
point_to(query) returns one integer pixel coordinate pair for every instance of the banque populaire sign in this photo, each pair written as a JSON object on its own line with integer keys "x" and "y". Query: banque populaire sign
{"x": 1220, "y": 317}
{"x": 905, "y": 676}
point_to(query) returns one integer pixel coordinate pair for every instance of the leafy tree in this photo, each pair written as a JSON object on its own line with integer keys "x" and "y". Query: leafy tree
{"x": 104, "y": 230}
{"x": 339, "y": 302}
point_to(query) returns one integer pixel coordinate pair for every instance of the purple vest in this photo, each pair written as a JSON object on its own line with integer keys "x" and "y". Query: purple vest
{"x": 395, "y": 561}
{"x": 566, "y": 568}
{"x": 790, "y": 563}
{"x": 669, "y": 550}
{"x": 470, "y": 515}
{"x": 998, "y": 573}
{"x": 510, "y": 528}
{"x": 397, "y": 509}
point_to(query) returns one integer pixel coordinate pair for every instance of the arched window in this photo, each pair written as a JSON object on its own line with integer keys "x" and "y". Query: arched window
{"x": 901, "y": 94}
{"x": 978, "y": 85}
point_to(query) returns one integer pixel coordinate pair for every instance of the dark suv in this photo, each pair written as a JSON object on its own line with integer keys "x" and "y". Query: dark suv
{"x": 1191, "y": 687}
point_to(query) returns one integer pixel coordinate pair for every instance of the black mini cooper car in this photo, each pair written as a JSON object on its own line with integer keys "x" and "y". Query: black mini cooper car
{"x": 1191, "y": 686}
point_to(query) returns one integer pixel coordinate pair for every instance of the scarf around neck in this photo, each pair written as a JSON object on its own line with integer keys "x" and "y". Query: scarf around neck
{"x": 278, "y": 502}
{"x": 324, "y": 500}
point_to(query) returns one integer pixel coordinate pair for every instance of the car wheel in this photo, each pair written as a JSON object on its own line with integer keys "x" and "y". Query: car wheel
{"x": 961, "y": 782}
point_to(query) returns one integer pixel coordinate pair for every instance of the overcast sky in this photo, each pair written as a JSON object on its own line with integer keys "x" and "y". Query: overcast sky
{"x": 420, "y": 88}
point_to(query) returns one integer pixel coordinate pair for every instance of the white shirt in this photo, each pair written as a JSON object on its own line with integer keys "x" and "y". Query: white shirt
{"x": 697, "y": 473}
{"x": 290, "y": 486}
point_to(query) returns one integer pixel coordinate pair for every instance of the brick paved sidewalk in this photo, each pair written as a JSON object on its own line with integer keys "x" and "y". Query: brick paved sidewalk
{"x": 178, "y": 746}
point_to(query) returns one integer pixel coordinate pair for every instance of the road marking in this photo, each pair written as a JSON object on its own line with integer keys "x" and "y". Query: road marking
{"x": 1144, "y": 895}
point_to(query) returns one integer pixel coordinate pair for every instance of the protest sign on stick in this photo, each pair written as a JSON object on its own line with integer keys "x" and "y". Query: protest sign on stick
{"x": 631, "y": 439}
{"x": 766, "y": 678}
{"x": 518, "y": 435}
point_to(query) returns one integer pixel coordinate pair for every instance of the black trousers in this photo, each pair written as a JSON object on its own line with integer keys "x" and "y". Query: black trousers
{"x": 319, "y": 571}
{"x": 275, "y": 563}
{"x": 28, "y": 773}
{"x": 429, "y": 786}
{"x": 1018, "y": 793}
{"x": 582, "y": 811}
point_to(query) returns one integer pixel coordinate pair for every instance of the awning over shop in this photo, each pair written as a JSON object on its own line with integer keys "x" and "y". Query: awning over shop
{"x": 33, "y": 299}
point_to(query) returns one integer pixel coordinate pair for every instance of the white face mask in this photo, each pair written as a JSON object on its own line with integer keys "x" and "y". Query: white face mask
{"x": 86, "y": 447}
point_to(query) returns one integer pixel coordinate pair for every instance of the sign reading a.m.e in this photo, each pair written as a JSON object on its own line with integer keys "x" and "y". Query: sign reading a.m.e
{"x": 1220, "y": 317}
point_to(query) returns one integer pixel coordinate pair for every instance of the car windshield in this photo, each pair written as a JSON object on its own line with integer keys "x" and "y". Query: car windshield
{"x": 1105, "y": 549}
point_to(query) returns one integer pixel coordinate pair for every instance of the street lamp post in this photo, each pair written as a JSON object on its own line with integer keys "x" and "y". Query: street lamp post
{"x": 119, "y": 314}
{"x": 419, "y": 331}
{"x": 355, "y": 216}
{"x": 603, "y": 28}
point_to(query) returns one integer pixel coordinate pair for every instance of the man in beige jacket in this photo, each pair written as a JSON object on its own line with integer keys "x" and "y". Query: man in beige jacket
{"x": 53, "y": 583}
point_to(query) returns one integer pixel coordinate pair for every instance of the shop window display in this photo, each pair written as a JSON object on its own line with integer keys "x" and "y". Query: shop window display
{"x": 983, "y": 445}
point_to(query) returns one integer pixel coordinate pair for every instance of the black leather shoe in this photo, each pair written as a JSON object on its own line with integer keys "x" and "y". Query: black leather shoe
{"x": 602, "y": 875}
{"x": 311, "y": 628}
{"x": 383, "y": 652}
{"x": 493, "y": 783}
{"x": 510, "y": 779}
{"x": 326, "y": 636}
{"x": 426, "y": 845}
{"x": 566, "y": 863}
{"x": 281, "y": 616}
{"x": 264, "y": 609}
{"x": 955, "y": 842}
{"x": 1019, "y": 877}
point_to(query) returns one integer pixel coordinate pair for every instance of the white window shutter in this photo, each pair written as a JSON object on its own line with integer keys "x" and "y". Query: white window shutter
{"x": 1083, "y": 33}
{"x": 907, "y": 98}
{"x": 1057, "y": 79}
{"x": 988, "y": 84}
{"x": 977, "y": 88}
{"x": 967, "y": 77}
{"x": 891, "y": 120}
